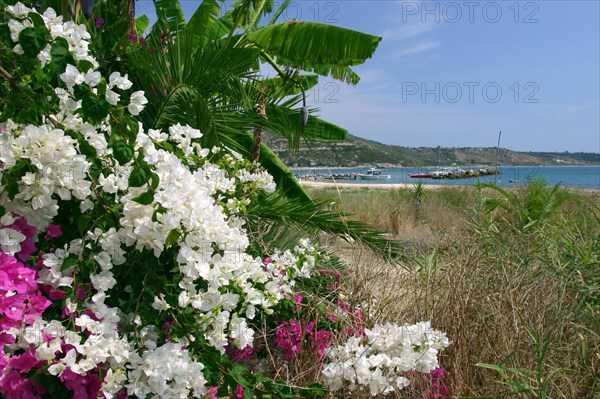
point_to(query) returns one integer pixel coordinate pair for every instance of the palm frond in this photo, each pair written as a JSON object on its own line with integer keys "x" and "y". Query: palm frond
{"x": 287, "y": 122}
{"x": 313, "y": 217}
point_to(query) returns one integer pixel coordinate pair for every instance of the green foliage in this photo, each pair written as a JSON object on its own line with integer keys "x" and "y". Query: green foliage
{"x": 295, "y": 44}
{"x": 531, "y": 207}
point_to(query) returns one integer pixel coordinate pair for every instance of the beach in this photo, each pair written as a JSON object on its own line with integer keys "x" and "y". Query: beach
{"x": 387, "y": 186}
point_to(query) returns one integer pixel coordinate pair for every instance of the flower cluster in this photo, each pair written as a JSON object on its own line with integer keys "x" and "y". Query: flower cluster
{"x": 123, "y": 250}
{"x": 167, "y": 201}
{"x": 21, "y": 301}
{"x": 380, "y": 359}
{"x": 439, "y": 384}
{"x": 290, "y": 337}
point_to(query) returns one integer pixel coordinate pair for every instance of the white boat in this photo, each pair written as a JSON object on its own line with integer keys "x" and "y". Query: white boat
{"x": 374, "y": 174}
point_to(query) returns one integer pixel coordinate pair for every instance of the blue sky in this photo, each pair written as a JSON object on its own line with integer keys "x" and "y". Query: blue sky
{"x": 455, "y": 73}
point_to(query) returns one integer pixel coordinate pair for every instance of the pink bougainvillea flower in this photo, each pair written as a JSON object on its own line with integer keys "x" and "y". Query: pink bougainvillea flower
{"x": 13, "y": 385}
{"x": 343, "y": 305}
{"x": 25, "y": 361}
{"x": 439, "y": 385}
{"x": 82, "y": 386}
{"x": 211, "y": 393}
{"x": 298, "y": 302}
{"x": 53, "y": 231}
{"x": 321, "y": 342}
{"x": 239, "y": 392}
{"x": 55, "y": 294}
{"x": 28, "y": 245}
{"x": 238, "y": 355}
{"x": 20, "y": 299}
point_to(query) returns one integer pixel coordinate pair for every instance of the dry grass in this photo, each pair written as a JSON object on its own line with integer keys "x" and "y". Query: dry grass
{"x": 396, "y": 212}
{"x": 492, "y": 284}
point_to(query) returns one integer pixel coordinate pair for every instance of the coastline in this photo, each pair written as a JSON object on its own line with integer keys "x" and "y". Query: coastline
{"x": 569, "y": 177}
{"x": 398, "y": 166}
{"x": 386, "y": 186}
{"x": 404, "y": 186}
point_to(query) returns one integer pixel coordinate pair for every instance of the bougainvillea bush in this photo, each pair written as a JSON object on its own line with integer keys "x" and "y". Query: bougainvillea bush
{"x": 125, "y": 266}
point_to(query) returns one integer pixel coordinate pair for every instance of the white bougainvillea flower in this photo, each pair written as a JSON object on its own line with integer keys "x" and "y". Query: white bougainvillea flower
{"x": 136, "y": 103}
{"x": 72, "y": 76}
{"x": 19, "y": 10}
{"x": 122, "y": 82}
{"x": 111, "y": 97}
{"x": 92, "y": 78}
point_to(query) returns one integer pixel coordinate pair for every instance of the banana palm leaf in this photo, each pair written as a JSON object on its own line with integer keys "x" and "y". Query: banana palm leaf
{"x": 170, "y": 18}
{"x": 203, "y": 20}
{"x": 314, "y": 46}
{"x": 279, "y": 87}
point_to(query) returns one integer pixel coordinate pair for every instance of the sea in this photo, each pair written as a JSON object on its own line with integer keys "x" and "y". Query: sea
{"x": 587, "y": 177}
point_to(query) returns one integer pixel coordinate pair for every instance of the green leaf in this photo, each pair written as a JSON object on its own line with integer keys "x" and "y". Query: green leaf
{"x": 141, "y": 24}
{"x": 69, "y": 261}
{"x": 170, "y": 17}
{"x": 315, "y": 391}
{"x": 94, "y": 107}
{"x": 172, "y": 238}
{"x": 279, "y": 87}
{"x": 203, "y": 18}
{"x": 155, "y": 181}
{"x": 32, "y": 41}
{"x": 12, "y": 177}
{"x": 145, "y": 198}
{"x": 37, "y": 19}
{"x": 84, "y": 65}
{"x": 60, "y": 54}
{"x": 313, "y": 45}
{"x": 122, "y": 152}
{"x": 39, "y": 75}
{"x": 140, "y": 175}
{"x": 83, "y": 223}
{"x": 87, "y": 149}
{"x": 2, "y": 211}
{"x": 237, "y": 372}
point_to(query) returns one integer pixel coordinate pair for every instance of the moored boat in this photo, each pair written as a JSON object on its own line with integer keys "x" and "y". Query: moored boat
{"x": 374, "y": 174}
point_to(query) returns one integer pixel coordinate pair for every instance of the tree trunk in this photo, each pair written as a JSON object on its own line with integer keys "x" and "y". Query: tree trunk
{"x": 260, "y": 109}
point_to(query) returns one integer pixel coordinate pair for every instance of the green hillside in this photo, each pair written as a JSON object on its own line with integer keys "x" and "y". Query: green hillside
{"x": 356, "y": 151}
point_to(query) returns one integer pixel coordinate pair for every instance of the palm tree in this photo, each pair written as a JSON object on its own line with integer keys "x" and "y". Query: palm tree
{"x": 205, "y": 73}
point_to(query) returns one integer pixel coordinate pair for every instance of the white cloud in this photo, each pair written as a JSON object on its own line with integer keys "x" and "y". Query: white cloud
{"x": 418, "y": 48}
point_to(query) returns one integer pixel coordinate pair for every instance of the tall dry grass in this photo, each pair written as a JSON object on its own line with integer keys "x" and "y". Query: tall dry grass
{"x": 512, "y": 276}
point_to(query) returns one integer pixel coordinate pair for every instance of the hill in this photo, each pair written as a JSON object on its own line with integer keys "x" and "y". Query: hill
{"x": 356, "y": 151}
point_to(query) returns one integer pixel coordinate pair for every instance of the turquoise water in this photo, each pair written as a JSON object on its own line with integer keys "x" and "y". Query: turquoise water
{"x": 510, "y": 176}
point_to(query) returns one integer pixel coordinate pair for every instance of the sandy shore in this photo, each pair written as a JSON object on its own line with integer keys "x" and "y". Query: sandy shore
{"x": 387, "y": 186}
{"x": 397, "y": 186}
